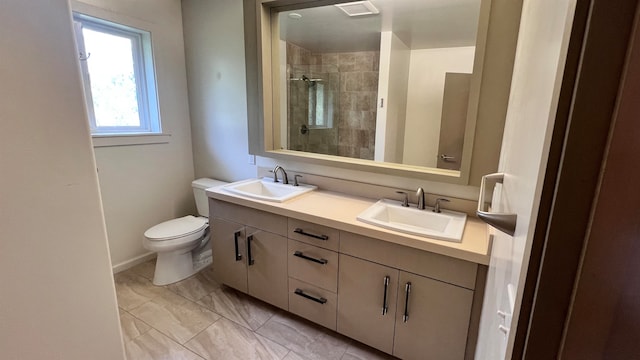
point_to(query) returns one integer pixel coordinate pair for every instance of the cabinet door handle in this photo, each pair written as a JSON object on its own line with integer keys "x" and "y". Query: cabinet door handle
{"x": 250, "y": 260}
{"x": 303, "y": 256}
{"x": 319, "y": 300}
{"x": 236, "y": 235}
{"x": 407, "y": 291}
{"x": 385, "y": 306}
{"x": 302, "y": 232}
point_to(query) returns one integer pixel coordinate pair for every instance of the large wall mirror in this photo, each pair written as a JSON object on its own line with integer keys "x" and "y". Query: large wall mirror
{"x": 391, "y": 86}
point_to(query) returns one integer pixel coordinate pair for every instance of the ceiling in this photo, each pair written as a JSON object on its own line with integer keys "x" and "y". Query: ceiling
{"x": 420, "y": 24}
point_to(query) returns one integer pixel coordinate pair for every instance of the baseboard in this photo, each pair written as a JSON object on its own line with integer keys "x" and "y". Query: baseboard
{"x": 133, "y": 262}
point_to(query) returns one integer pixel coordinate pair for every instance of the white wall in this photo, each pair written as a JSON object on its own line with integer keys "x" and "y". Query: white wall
{"x": 424, "y": 99}
{"x": 543, "y": 40}
{"x": 214, "y": 46}
{"x": 57, "y": 298}
{"x": 395, "y": 57}
{"x": 144, "y": 185}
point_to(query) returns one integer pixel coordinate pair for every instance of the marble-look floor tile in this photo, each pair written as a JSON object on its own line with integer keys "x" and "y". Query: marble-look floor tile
{"x": 304, "y": 338}
{"x": 230, "y": 341}
{"x": 155, "y": 346}
{"x": 197, "y": 286}
{"x": 146, "y": 269}
{"x": 175, "y": 316}
{"x": 358, "y": 351}
{"x": 293, "y": 356}
{"x": 238, "y": 307}
{"x": 133, "y": 290}
{"x": 131, "y": 326}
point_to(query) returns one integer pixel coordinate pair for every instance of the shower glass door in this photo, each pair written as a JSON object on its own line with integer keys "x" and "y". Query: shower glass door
{"x": 314, "y": 107}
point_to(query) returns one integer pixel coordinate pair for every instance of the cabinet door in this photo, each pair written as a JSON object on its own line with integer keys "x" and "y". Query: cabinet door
{"x": 433, "y": 323}
{"x": 267, "y": 267}
{"x": 364, "y": 288}
{"x": 228, "y": 246}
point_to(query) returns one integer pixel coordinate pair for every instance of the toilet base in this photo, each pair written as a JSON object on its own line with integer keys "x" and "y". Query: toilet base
{"x": 172, "y": 267}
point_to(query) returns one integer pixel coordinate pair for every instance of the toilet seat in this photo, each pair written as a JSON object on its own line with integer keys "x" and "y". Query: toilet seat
{"x": 178, "y": 228}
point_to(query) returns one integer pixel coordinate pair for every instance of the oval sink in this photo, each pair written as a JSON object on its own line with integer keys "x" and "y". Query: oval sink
{"x": 266, "y": 189}
{"x": 447, "y": 225}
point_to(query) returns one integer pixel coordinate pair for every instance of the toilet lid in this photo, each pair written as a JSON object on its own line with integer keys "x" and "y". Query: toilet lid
{"x": 176, "y": 228}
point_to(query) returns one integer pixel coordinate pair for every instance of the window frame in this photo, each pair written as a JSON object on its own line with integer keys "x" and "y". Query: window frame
{"x": 144, "y": 74}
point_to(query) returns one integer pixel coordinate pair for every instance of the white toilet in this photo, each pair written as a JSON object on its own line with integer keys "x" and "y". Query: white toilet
{"x": 182, "y": 244}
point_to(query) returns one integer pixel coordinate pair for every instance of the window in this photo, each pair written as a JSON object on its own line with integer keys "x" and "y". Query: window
{"x": 118, "y": 77}
{"x": 320, "y": 105}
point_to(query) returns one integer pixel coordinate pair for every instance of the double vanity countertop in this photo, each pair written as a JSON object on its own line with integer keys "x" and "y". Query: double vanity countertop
{"x": 339, "y": 211}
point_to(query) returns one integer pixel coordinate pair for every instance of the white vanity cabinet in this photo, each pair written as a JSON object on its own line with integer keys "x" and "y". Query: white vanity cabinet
{"x": 400, "y": 313}
{"x": 250, "y": 251}
{"x": 411, "y": 303}
{"x": 313, "y": 271}
{"x": 367, "y": 302}
{"x": 432, "y": 317}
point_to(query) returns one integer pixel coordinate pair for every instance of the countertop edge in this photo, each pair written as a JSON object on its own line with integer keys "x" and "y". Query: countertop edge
{"x": 431, "y": 245}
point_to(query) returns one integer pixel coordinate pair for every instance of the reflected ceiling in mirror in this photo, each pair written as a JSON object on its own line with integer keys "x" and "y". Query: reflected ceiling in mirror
{"x": 391, "y": 86}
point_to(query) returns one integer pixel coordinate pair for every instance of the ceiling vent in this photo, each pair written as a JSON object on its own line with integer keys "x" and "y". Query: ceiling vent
{"x": 358, "y": 8}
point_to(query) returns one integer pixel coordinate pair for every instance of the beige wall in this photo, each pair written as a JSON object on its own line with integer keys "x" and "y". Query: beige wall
{"x": 143, "y": 185}
{"x": 214, "y": 47}
{"x": 217, "y": 92}
{"x": 57, "y": 298}
{"x": 424, "y": 99}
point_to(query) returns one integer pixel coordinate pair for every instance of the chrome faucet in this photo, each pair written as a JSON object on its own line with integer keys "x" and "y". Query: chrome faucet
{"x": 436, "y": 208}
{"x": 420, "y": 195}
{"x": 285, "y": 179}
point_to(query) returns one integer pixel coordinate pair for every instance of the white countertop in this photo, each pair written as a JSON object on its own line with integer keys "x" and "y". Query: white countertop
{"x": 339, "y": 211}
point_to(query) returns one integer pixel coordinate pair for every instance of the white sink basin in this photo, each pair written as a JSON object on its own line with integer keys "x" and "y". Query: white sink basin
{"x": 266, "y": 189}
{"x": 447, "y": 225}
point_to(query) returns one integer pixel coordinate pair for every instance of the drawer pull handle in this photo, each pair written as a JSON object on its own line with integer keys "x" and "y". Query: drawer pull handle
{"x": 236, "y": 235}
{"x": 303, "y": 256}
{"x": 249, "y": 257}
{"x": 302, "y": 232}
{"x": 319, "y": 300}
{"x": 407, "y": 291}
{"x": 385, "y": 305}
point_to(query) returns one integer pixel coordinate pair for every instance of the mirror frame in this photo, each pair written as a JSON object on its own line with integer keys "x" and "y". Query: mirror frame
{"x": 262, "y": 91}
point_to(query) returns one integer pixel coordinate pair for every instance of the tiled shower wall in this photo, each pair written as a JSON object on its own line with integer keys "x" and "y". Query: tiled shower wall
{"x": 354, "y": 126}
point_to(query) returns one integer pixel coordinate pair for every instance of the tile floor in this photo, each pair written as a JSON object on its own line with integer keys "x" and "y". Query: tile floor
{"x": 198, "y": 318}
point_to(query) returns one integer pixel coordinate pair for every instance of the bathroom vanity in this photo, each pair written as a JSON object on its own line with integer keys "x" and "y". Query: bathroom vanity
{"x": 403, "y": 294}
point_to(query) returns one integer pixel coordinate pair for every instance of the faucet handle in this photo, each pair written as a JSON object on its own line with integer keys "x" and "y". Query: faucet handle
{"x": 405, "y": 201}
{"x": 295, "y": 180}
{"x": 436, "y": 208}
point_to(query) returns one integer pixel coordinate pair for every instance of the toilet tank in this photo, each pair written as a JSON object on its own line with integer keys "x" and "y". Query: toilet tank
{"x": 199, "y": 193}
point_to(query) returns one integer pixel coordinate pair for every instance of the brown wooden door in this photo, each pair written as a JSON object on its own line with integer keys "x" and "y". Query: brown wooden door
{"x": 604, "y": 322}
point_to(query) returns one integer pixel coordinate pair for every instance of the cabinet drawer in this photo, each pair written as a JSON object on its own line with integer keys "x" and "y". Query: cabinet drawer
{"x": 310, "y": 233}
{"x": 312, "y": 303}
{"x": 247, "y": 216}
{"x": 313, "y": 265}
{"x": 435, "y": 266}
